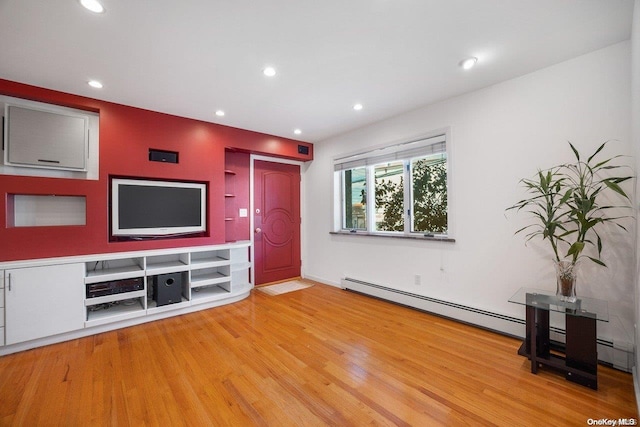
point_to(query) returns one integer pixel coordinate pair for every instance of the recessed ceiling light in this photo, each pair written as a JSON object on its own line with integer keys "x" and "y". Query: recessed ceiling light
{"x": 220, "y": 113}
{"x": 468, "y": 63}
{"x": 94, "y": 83}
{"x": 358, "y": 107}
{"x": 92, "y": 5}
{"x": 269, "y": 71}
{"x": 297, "y": 131}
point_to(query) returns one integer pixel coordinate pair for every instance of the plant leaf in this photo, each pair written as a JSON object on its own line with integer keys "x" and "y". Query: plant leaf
{"x": 597, "y": 261}
{"x": 615, "y": 187}
{"x": 574, "y": 151}
{"x": 576, "y": 248}
{"x": 596, "y": 152}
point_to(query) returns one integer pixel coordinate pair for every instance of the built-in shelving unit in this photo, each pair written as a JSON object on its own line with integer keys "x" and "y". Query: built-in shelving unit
{"x": 204, "y": 275}
{"x": 229, "y": 204}
{"x": 119, "y": 288}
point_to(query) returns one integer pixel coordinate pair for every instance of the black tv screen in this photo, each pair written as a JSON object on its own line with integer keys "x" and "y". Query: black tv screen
{"x": 144, "y": 207}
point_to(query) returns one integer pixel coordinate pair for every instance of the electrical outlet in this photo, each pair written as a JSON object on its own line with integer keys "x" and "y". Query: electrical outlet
{"x": 417, "y": 280}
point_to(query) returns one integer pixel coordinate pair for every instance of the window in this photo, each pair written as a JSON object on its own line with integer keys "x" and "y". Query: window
{"x": 408, "y": 191}
{"x": 355, "y": 199}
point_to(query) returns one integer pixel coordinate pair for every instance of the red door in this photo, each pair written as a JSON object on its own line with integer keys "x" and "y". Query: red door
{"x": 276, "y": 221}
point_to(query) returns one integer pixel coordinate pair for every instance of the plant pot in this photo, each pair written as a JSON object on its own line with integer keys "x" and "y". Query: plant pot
{"x": 566, "y": 274}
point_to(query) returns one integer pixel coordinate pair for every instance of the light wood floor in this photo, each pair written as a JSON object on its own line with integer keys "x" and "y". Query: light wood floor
{"x": 319, "y": 356}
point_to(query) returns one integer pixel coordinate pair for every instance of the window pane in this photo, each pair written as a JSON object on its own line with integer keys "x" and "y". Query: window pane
{"x": 429, "y": 176}
{"x": 389, "y": 191}
{"x": 355, "y": 199}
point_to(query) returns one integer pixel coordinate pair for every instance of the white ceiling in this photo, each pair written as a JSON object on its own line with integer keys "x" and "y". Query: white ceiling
{"x": 192, "y": 57}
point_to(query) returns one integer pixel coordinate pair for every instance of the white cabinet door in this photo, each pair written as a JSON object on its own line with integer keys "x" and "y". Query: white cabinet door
{"x": 1, "y": 307}
{"x": 43, "y": 301}
{"x": 46, "y": 139}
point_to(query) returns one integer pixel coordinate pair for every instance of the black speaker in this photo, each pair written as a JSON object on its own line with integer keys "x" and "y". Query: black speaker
{"x": 167, "y": 288}
{"x": 303, "y": 149}
{"x": 163, "y": 156}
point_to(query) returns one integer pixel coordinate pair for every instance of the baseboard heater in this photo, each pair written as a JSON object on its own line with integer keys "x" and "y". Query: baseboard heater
{"x": 496, "y": 322}
{"x": 424, "y": 303}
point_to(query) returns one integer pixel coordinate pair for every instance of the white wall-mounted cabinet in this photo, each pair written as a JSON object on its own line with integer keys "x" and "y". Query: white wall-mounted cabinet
{"x": 41, "y": 139}
{"x": 54, "y": 300}
{"x": 46, "y": 139}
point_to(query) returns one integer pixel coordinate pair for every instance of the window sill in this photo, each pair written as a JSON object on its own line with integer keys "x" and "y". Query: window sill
{"x": 394, "y": 236}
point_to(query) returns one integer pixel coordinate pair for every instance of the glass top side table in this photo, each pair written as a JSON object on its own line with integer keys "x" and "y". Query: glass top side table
{"x": 580, "y": 360}
{"x": 586, "y": 307}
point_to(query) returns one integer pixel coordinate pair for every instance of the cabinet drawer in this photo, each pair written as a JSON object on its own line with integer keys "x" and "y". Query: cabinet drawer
{"x": 2, "y": 302}
{"x": 1, "y": 336}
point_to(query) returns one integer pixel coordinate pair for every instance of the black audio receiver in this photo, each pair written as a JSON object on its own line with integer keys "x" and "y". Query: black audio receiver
{"x": 114, "y": 287}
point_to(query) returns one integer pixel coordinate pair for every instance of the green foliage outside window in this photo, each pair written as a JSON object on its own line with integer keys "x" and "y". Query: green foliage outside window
{"x": 429, "y": 198}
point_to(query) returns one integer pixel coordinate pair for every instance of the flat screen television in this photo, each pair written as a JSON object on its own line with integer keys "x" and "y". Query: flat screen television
{"x": 148, "y": 208}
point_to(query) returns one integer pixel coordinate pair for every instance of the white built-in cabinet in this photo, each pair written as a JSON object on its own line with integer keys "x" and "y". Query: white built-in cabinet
{"x": 50, "y": 303}
{"x": 42, "y": 301}
{"x": 1, "y": 307}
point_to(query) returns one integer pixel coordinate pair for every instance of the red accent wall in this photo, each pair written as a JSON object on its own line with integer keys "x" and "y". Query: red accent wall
{"x": 126, "y": 134}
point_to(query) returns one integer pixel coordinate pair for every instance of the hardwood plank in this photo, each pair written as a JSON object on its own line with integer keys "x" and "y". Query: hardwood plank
{"x": 319, "y": 356}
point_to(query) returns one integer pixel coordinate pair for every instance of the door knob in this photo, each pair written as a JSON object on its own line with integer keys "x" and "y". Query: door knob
{"x": 258, "y": 230}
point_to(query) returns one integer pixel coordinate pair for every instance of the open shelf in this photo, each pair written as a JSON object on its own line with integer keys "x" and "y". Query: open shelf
{"x": 209, "y": 259}
{"x": 115, "y": 312}
{"x": 44, "y": 210}
{"x": 207, "y": 277}
{"x": 113, "y": 298}
{"x": 166, "y": 267}
{"x": 208, "y": 293}
{"x": 203, "y": 255}
{"x": 209, "y": 263}
{"x": 230, "y": 208}
{"x": 118, "y": 269}
{"x": 164, "y": 264}
{"x": 152, "y": 306}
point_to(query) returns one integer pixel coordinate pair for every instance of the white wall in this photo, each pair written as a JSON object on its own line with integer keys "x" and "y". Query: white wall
{"x": 635, "y": 131}
{"x": 499, "y": 135}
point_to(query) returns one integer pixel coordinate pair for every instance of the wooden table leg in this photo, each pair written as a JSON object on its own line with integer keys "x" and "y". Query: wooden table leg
{"x": 537, "y": 339}
{"x": 532, "y": 338}
{"x": 582, "y": 350}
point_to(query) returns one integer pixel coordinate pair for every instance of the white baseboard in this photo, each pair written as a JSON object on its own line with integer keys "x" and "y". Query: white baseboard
{"x": 322, "y": 280}
{"x": 636, "y": 386}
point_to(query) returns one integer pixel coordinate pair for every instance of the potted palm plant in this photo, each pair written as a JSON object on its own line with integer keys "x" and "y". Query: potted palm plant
{"x": 569, "y": 205}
